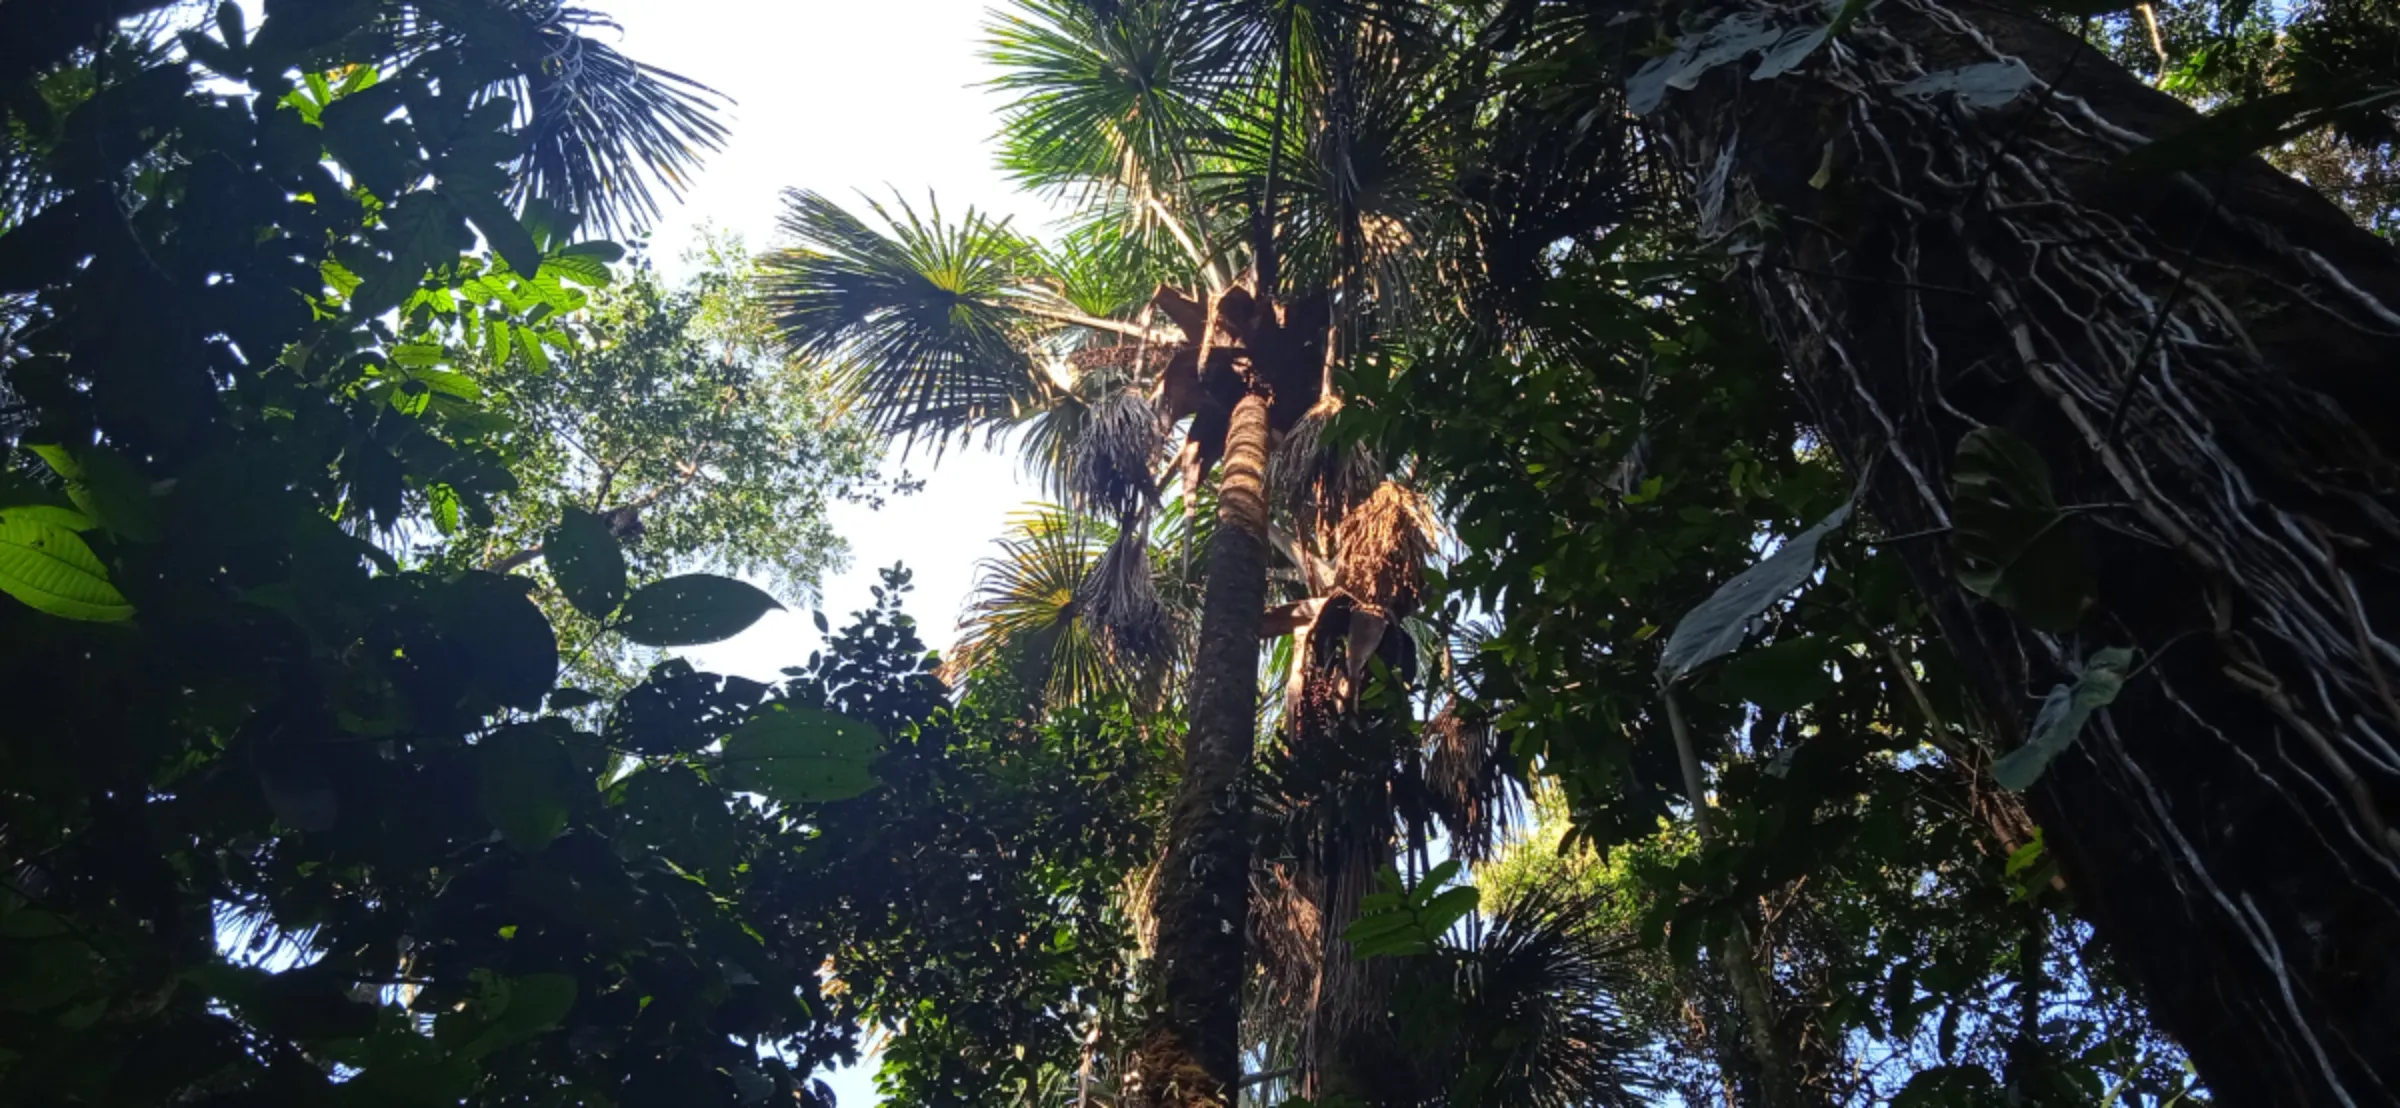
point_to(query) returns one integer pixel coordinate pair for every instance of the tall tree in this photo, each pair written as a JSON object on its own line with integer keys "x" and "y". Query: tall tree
{"x": 2139, "y": 403}
{"x": 1227, "y": 137}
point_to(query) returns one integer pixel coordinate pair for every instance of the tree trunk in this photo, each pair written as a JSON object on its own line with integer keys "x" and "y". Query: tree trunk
{"x": 1191, "y": 1051}
{"x": 1779, "y": 1084}
{"x": 2208, "y": 359}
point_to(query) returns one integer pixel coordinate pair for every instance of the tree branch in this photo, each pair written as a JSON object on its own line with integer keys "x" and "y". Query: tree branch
{"x": 1114, "y": 326}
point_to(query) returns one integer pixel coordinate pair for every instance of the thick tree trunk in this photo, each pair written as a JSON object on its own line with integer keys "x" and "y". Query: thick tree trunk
{"x": 1190, "y": 1055}
{"x": 2211, "y": 359}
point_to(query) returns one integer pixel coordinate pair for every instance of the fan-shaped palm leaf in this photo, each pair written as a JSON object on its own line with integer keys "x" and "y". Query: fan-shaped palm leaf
{"x": 602, "y": 130}
{"x": 1025, "y": 607}
{"x": 1107, "y": 95}
{"x": 919, "y": 313}
{"x": 1536, "y": 1023}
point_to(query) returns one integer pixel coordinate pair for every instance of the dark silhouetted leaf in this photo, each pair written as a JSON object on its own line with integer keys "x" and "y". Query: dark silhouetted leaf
{"x": 107, "y": 487}
{"x": 523, "y": 774}
{"x": 1783, "y": 677}
{"x": 586, "y": 562}
{"x": 2014, "y": 544}
{"x": 511, "y": 651}
{"x": 692, "y": 609}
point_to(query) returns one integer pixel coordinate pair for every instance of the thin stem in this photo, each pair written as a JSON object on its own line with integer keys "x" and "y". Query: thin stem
{"x": 1130, "y": 330}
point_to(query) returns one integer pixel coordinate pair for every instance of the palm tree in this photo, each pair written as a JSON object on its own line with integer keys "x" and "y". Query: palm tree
{"x": 1271, "y": 164}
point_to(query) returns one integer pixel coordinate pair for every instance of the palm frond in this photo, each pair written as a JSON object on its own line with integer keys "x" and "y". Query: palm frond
{"x": 1538, "y": 1023}
{"x": 1121, "y": 600}
{"x": 1113, "y": 468}
{"x": 1467, "y": 784}
{"x": 1106, "y": 95}
{"x": 1364, "y": 177}
{"x": 1025, "y": 611}
{"x": 603, "y": 132}
{"x": 918, "y": 313}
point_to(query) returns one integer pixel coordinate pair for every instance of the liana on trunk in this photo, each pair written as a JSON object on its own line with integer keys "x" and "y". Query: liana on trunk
{"x": 1932, "y": 215}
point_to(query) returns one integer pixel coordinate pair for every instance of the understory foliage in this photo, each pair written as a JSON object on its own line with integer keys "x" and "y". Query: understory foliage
{"x": 295, "y": 810}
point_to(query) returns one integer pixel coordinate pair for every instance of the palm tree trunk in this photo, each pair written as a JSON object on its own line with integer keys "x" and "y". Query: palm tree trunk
{"x": 2206, "y": 356}
{"x": 1191, "y": 1051}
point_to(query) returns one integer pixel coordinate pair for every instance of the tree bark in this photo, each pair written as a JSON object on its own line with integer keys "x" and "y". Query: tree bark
{"x": 1190, "y": 1054}
{"x": 2207, "y": 356}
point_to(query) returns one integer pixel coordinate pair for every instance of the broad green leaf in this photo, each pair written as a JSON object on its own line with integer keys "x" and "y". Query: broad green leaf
{"x": 1783, "y": 677}
{"x": 800, "y": 756}
{"x": 444, "y": 501}
{"x": 510, "y": 648}
{"x": 51, "y": 514}
{"x": 107, "y": 487}
{"x": 585, "y": 561}
{"x": 1721, "y": 622}
{"x": 1447, "y": 908}
{"x": 1434, "y": 879}
{"x": 499, "y": 226}
{"x": 530, "y": 344}
{"x": 598, "y": 250}
{"x": 508, "y": 1012}
{"x": 523, "y": 774}
{"x": 2014, "y": 544}
{"x": 692, "y": 609}
{"x": 581, "y": 269}
{"x": 1398, "y": 921}
{"x": 51, "y": 570}
{"x": 417, "y": 355}
{"x": 2061, "y": 720}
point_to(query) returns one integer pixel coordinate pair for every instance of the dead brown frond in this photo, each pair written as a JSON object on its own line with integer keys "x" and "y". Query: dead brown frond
{"x": 1382, "y": 549}
{"x": 1287, "y": 944}
{"x": 1131, "y": 362}
{"x": 1121, "y": 599}
{"x": 1111, "y": 464}
{"x": 1467, "y": 785}
{"x": 1317, "y": 482}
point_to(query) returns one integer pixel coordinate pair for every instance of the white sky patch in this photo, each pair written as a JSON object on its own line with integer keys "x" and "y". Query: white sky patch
{"x": 840, "y": 97}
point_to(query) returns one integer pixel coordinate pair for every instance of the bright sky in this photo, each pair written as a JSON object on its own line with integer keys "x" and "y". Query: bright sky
{"x": 840, "y": 96}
